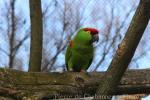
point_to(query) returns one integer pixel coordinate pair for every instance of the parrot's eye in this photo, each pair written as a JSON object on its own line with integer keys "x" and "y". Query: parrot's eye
{"x": 88, "y": 32}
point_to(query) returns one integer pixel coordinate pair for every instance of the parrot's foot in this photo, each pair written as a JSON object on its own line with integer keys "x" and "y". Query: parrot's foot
{"x": 84, "y": 71}
{"x": 70, "y": 69}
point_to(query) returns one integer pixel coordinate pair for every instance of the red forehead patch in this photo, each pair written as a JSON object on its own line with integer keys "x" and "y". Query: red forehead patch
{"x": 92, "y": 30}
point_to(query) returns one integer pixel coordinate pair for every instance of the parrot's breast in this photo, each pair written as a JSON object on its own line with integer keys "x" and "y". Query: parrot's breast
{"x": 82, "y": 56}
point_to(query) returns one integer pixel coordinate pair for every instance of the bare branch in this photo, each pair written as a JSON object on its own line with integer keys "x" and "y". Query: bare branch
{"x": 17, "y": 47}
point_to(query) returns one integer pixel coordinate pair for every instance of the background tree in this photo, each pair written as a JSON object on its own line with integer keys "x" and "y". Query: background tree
{"x": 12, "y": 25}
{"x": 36, "y": 36}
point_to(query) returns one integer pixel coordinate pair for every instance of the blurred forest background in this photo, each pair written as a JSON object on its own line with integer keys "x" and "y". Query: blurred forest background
{"x": 62, "y": 18}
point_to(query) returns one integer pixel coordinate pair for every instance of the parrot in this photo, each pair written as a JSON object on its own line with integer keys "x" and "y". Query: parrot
{"x": 80, "y": 50}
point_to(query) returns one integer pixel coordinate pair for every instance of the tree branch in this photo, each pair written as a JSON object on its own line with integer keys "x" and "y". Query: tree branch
{"x": 125, "y": 50}
{"x": 36, "y": 36}
{"x": 18, "y": 84}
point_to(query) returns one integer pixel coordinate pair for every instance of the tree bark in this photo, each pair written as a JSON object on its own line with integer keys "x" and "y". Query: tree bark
{"x": 36, "y": 36}
{"x": 12, "y": 35}
{"x": 18, "y": 85}
{"x": 125, "y": 51}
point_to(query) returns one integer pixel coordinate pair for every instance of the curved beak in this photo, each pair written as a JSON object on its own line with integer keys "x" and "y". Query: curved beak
{"x": 95, "y": 38}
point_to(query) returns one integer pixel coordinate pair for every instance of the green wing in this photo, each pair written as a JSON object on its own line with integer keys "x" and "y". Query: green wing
{"x": 68, "y": 56}
{"x": 72, "y": 59}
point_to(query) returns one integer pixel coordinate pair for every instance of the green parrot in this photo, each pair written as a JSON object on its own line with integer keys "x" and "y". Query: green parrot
{"x": 80, "y": 51}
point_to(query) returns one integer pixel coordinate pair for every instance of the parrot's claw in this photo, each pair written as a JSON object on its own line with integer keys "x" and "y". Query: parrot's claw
{"x": 84, "y": 71}
{"x": 71, "y": 70}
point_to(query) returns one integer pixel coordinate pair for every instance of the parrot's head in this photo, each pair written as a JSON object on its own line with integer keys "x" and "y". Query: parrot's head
{"x": 87, "y": 36}
{"x": 94, "y": 34}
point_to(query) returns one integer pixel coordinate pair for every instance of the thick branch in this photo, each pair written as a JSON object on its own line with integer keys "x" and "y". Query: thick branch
{"x": 125, "y": 50}
{"x": 19, "y": 84}
{"x": 36, "y": 36}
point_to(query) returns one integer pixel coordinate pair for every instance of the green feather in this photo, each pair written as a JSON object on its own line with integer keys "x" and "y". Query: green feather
{"x": 80, "y": 55}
